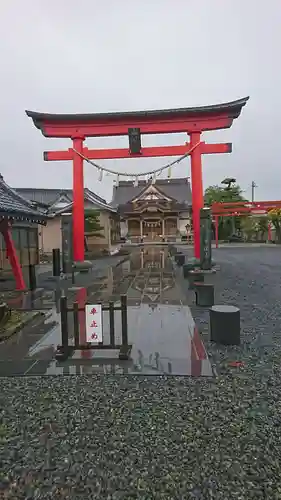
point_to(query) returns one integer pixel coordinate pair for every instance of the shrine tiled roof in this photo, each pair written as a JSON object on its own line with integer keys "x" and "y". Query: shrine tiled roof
{"x": 178, "y": 189}
{"x": 14, "y": 206}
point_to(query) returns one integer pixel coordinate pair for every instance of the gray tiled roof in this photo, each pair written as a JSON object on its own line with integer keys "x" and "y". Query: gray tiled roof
{"x": 177, "y": 189}
{"x": 49, "y": 196}
{"x": 233, "y": 108}
{"x": 13, "y": 205}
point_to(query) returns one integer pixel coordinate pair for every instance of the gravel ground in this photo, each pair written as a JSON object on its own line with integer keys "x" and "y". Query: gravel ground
{"x": 160, "y": 438}
{"x": 144, "y": 438}
{"x": 249, "y": 278}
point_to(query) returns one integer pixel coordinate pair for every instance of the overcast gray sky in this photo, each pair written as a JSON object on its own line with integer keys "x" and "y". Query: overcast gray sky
{"x": 66, "y": 56}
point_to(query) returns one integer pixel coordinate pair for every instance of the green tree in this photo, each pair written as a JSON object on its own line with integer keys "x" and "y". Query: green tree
{"x": 275, "y": 217}
{"x": 262, "y": 226}
{"x": 248, "y": 227}
{"x": 254, "y": 227}
{"x": 219, "y": 194}
{"x": 92, "y": 225}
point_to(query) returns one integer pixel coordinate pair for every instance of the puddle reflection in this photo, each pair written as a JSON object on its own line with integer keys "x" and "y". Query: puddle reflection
{"x": 160, "y": 325}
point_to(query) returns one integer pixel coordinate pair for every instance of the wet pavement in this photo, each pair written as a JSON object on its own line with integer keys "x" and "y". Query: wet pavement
{"x": 161, "y": 329}
{"x": 106, "y": 436}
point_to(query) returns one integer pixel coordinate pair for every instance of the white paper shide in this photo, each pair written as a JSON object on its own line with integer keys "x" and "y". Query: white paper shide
{"x": 94, "y": 323}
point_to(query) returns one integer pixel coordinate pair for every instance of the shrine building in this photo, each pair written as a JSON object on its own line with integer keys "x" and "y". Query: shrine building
{"x": 19, "y": 221}
{"x": 154, "y": 211}
{"x": 58, "y": 205}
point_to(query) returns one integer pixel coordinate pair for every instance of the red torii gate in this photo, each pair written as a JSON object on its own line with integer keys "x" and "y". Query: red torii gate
{"x": 238, "y": 208}
{"x": 192, "y": 121}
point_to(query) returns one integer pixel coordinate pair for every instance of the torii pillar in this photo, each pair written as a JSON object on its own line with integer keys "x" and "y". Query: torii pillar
{"x": 78, "y": 218}
{"x": 192, "y": 121}
{"x": 197, "y": 189}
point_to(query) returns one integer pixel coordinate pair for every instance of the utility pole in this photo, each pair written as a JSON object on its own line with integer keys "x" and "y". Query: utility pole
{"x": 253, "y": 186}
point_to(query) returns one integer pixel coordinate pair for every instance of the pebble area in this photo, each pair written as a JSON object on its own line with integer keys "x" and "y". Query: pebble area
{"x": 166, "y": 438}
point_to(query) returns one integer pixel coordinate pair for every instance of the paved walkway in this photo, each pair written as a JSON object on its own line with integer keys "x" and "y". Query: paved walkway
{"x": 161, "y": 328}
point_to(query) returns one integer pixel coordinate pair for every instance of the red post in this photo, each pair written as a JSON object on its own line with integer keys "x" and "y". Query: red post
{"x": 78, "y": 201}
{"x": 13, "y": 258}
{"x": 198, "y": 353}
{"x": 217, "y": 230}
{"x": 81, "y": 298}
{"x": 269, "y": 235}
{"x": 197, "y": 189}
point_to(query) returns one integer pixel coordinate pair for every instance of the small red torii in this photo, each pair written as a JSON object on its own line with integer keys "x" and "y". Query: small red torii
{"x": 192, "y": 121}
{"x": 238, "y": 208}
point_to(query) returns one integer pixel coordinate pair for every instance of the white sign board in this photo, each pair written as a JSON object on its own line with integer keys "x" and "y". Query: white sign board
{"x": 93, "y": 323}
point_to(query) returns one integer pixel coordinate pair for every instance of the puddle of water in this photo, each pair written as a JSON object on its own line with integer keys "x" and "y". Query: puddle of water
{"x": 160, "y": 325}
{"x": 51, "y": 337}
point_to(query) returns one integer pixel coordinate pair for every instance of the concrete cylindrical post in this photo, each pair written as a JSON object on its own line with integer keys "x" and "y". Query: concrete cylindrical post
{"x": 56, "y": 262}
{"x": 83, "y": 267}
{"x": 205, "y": 296}
{"x": 225, "y": 325}
{"x": 176, "y": 255}
{"x": 186, "y": 269}
{"x": 32, "y": 277}
{"x": 180, "y": 259}
{"x": 194, "y": 278}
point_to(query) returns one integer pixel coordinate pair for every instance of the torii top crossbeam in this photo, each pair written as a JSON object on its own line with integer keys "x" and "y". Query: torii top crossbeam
{"x": 228, "y": 209}
{"x": 192, "y": 121}
{"x": 163, "y": 121}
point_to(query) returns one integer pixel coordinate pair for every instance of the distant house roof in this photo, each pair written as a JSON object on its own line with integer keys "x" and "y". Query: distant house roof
{"x": 59, "y": 200}
{"x": 176, "y": 189}
{"x": 49, "y": 196}
{"x": 15, "y": 206}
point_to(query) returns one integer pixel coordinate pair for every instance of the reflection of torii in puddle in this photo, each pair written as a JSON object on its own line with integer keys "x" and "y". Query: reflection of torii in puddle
{"x": 151, "y": 279}
{"x": 152, "y": 292}
{"x": 153, "y": 286}
{"x": 153, "y": 263}
{"x": 81, "y": 298}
